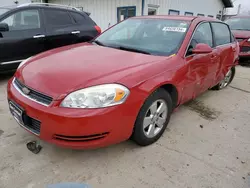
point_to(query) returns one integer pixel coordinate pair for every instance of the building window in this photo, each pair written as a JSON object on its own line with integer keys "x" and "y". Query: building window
{"x": 210, "y": 16}
{"x": 152, "y": 11}
{"x": 125, "y": 12}
{"x": 189, "y": 14}
{"x": 173, "y": 12}
{"x": 200, "y": 14}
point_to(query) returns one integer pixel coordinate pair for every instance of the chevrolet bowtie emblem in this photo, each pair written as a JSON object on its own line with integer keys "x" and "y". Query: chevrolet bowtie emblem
{"x": 25, "y": 90}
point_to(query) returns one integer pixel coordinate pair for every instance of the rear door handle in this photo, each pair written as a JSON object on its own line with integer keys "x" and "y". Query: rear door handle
{"x": 75, "y": 32}
{"x": 38, "y": 36}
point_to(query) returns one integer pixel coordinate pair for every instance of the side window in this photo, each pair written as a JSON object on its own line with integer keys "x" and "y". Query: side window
{"x": 203, "y": 34}
{"x": 222, "y": 33}
{"x": 57, "y": 17}
{"x": 23, "y": 20}
{"x": 78, "y": 18}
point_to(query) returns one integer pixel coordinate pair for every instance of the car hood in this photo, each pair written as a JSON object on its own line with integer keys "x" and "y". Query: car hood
{"x": 241, "y": 34}
{"x": 63, "y": 70}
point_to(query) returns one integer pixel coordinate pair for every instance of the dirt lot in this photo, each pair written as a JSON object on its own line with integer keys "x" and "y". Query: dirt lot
{"x": 207, "y": 144}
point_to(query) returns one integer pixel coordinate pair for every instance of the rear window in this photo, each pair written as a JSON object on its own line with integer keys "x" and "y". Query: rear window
{"x": 222, "y": 34}
{"x": 57, "y": 17}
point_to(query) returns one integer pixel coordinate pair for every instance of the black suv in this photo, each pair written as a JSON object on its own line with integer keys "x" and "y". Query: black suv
{"x": 33, "y": 28}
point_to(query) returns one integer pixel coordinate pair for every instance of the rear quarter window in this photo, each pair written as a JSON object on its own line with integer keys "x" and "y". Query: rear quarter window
{"x": 82, "y": 18}
{"x": 55, "y": 17}
{"x": 222, "y": 34}
{"x": 78, "y": 18}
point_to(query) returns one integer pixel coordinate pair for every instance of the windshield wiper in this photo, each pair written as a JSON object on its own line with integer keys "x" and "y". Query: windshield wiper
{"x": 98, "y": 42}
{"x": 132, "y": 50}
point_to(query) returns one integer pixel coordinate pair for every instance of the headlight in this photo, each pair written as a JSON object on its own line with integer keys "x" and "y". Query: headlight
{"x": 23, "y": 62}
{"x": 97, "y": 97}
{"x": 248, "y": 40}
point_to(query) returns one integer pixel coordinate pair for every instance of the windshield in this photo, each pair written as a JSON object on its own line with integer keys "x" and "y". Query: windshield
{"x": 151, "y": 36}
{"x": 239, "y": 23}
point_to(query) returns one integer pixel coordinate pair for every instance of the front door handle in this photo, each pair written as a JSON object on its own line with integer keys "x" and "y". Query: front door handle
{"x": 38, "y": 36}
{"x": 75, "y": 32}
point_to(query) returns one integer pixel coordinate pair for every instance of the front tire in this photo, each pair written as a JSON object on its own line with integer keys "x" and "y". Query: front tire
{"x": 153, "y": 118}
{"x": 226, "y": 81}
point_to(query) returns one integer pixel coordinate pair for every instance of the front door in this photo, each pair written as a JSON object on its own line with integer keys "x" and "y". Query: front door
{"x": 125, "y": 12}
{"x": 25, "y": 37}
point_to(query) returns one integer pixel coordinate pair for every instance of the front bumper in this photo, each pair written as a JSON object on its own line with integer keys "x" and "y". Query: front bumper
{"x": 79, "y": 128}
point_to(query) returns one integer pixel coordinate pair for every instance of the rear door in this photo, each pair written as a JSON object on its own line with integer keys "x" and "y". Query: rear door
{"x": 83, "y": 27}
{"x": 25, "y": 37}
{"x": 201, "y": 68}
{"x": 59, "y": 28}
{"x": 226, "y": 47}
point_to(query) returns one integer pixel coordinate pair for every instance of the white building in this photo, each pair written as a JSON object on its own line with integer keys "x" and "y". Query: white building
{"x": 16, "y": 2}
{"x": 109, "y": 12}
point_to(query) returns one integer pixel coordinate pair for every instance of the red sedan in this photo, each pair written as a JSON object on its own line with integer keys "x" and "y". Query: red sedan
{"x": 124, "y": 84}
{"x": 240, "y": 26}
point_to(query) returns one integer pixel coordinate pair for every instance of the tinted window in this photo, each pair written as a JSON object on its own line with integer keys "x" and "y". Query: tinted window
{"x": 239, "y": 23}
{"x": 22, "y": 20}
{"x": 78, "y": 18}
{"x": 203, "y": 34}
{"x": 57, "y": 17}
{"x": 157, "y": 37}
{"x": 222, "y": 34}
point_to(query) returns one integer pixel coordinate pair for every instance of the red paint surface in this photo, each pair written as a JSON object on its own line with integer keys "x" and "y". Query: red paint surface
{"x": 61, "y": 71}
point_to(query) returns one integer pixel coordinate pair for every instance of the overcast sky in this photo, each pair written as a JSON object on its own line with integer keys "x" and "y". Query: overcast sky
{"x": 245, "y": 6}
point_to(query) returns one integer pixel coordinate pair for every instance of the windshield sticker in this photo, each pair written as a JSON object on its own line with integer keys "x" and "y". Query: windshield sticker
{"x": 175, "y": 29}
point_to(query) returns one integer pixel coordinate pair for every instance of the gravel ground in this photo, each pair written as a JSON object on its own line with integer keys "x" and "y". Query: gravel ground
{"x": 207, "y": 144}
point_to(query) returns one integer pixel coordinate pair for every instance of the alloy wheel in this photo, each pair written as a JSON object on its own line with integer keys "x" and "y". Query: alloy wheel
{"x": 226, "y": 80}
{"x": 155, "y": 118}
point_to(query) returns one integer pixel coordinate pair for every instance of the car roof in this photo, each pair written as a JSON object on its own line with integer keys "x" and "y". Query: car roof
{"x": 174, "y": 17}
{"x": 27, "y": 6}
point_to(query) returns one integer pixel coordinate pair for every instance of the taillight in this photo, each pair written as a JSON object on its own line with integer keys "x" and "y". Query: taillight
{"x": 98, "y": 29}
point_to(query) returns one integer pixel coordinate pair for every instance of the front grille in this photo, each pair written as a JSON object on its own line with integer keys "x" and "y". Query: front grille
{"x": 32, "y": 94}
{"x": 245, "y": 49}
{"x": 81, "y": 138}
{"x": 32, "y": 124}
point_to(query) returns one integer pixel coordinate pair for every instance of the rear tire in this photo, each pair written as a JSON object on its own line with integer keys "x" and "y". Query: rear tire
{"x": 226, "y": 81}
{"x": 153, "y": 118}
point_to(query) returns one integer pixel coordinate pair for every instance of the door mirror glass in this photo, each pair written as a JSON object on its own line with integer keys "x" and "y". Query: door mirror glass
{"x": 4, "y": 27}
{"x": 202, "y": 49}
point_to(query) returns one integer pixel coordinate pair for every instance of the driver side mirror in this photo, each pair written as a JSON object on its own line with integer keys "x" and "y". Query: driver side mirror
{"x": 4, "y": 27}
{"x": 202, "y": 48}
